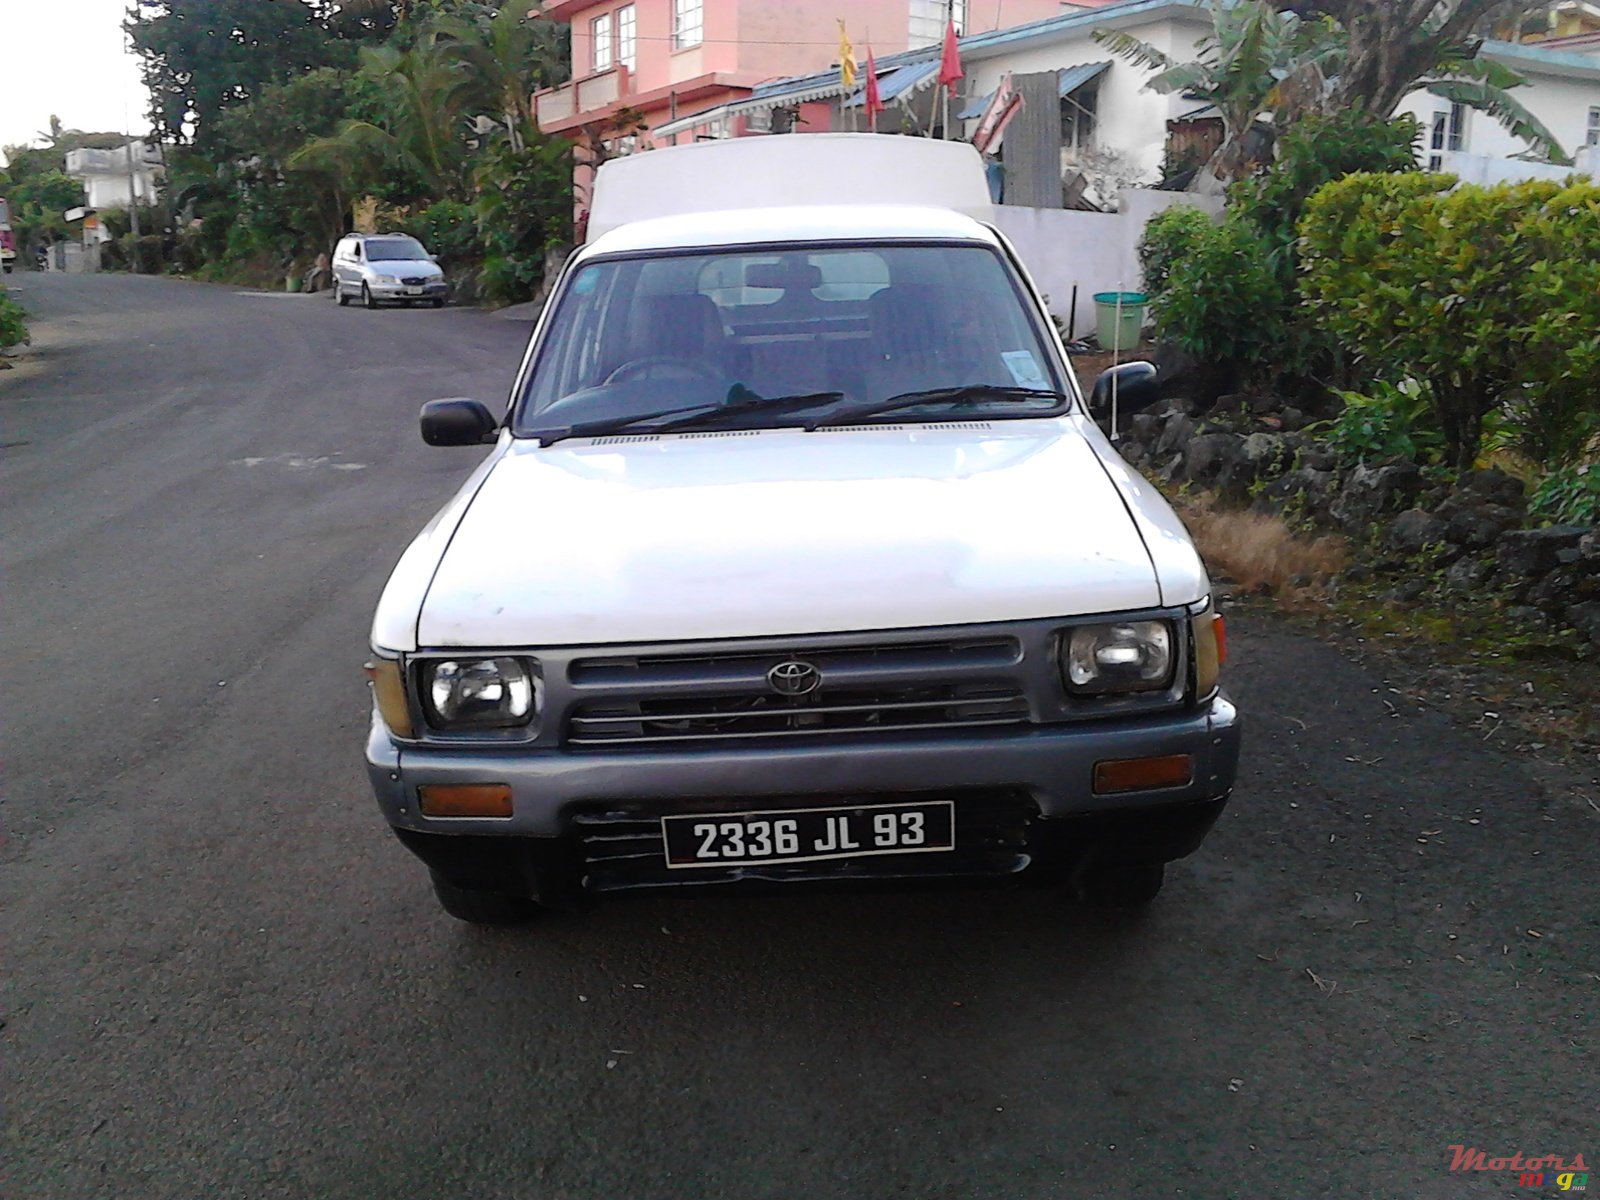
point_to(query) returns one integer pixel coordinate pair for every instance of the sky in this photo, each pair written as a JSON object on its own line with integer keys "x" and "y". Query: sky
{"x": 67, "y": 57}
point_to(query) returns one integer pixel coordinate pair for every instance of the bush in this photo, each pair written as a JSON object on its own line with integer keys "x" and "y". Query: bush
{"x": 1221, "y": 300}
{"x": 524, "y": 205}
{"x": 447, "y": 228}
{"x": 1488, "y": 296}
{"x": 1170, "y": 237}
{"x": 1570, "y": 495}
{"x": 13, "y": 323}
{"x": 1391, "y": 420}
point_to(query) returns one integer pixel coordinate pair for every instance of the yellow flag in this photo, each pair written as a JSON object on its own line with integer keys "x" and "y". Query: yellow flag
{"x": 847, "y": 59}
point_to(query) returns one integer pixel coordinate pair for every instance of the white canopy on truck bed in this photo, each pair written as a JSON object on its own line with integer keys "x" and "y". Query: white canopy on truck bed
{"x": 786, "y": 171}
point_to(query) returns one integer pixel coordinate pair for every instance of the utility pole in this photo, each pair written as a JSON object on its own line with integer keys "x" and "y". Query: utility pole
{"x": 133, "y": 190}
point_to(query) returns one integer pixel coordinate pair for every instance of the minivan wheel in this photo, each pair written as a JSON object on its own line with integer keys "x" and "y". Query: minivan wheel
{"x": 438, "y": 302}
{"x": 339, "y": 295}
{"x": 367, "y": 298}
{"x": 478, "y": 907}
{"x": 1120, "y": 885}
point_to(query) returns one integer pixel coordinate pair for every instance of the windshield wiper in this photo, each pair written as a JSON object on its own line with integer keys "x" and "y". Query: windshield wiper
{"x": 948, "y": 395}
{"x": 669, "y": 422}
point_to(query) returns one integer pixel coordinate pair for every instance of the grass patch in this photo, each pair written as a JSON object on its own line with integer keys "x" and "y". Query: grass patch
{"x": 1263, "y": 553}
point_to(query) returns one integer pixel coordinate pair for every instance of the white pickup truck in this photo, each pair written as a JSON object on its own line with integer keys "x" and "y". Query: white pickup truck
{"x": 798, "y": 560}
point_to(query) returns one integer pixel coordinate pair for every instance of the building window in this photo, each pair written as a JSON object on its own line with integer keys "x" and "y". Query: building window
{"x": 958, "y": 14}
{"x": 688, "y": 23}
{"x": 1449, "y": 132}
{"x": 600, "y": 33}
{"x": 626, "y": 38}
{"x": 1594, "y": 128}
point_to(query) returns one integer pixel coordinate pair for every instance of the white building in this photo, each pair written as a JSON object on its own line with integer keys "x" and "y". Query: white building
{"x": 1130, "y": 122}
{"x": 105, "y": 175}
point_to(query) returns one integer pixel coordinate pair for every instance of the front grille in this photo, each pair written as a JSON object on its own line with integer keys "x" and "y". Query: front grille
{"x": 667, "y": 698}
{"x": 415, "y": 282}
{"x": 623, "y": 849}
{"x": 742, "y": 715}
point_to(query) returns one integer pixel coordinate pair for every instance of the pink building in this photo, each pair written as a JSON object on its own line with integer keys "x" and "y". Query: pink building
{"x": 668, "y": 60}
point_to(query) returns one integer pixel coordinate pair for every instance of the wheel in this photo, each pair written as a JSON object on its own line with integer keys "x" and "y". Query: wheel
{"x": 338, "y": 294}
{"x": 8, "y": 268}
{"x": 478, "y": 907}
{"x": 438, "y": 302}
{"x": 367, "y": 298}
{"x": 1120, "y": 885}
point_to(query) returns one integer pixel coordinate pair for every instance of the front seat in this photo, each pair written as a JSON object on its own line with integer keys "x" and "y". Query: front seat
{"x": 682, "y": 327}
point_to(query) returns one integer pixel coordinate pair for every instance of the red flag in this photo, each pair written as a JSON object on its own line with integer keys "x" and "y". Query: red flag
{"x": 950, "y": 72}
{"x": 874, "y": 102}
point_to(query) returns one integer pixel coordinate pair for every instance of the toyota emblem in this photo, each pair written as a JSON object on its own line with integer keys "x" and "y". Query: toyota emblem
{"x": 794, "y": 679}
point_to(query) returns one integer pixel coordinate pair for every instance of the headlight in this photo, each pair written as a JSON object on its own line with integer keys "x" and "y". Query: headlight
{"x": 481, "y": 693}
{"x": 387, "y": 279}
{"x": 1120, "y": 656}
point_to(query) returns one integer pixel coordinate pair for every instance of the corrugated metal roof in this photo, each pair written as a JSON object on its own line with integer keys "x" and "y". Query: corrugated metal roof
{"x": 902, "y": 81}
{"x": 1071, "y": 79}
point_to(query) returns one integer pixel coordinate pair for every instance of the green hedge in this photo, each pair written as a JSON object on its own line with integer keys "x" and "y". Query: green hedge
{"x": 1488, "y": 296}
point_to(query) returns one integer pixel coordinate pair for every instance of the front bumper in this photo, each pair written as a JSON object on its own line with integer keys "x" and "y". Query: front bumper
{"x": 399, "y": 291}
{"x": 1029, "y": 791}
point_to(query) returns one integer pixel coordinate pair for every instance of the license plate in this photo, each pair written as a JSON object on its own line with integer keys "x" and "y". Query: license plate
{"x": 413, "y": 291}
{"x": 808, "y": 834}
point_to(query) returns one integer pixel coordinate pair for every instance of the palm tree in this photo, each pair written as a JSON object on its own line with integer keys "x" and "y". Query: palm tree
{"x": 428, "y": 89}
{"x": 508, "y": 57}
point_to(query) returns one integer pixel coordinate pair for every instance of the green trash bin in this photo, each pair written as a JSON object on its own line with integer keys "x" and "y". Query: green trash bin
{"x": 1119, "y": 316}
{"x": 292, "y": 283}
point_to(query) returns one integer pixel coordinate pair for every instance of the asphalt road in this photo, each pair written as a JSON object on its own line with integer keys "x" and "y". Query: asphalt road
{"x": 224, "y": 978}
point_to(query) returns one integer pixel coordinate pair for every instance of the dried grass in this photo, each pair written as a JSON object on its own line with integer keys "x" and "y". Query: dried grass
{"x": 1261, "y": 553}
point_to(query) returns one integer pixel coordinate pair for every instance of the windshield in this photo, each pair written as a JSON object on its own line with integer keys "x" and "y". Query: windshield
{"x": 395, "y": 251}
{"x": 858, "y": 324}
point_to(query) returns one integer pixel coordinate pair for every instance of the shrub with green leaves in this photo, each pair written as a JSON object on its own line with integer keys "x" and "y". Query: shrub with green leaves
{"x": 13, "y": 323}
{"x": 1169, "y": 237}
{"x": 447, "y": 229}
{"x": 1387, "y": 421}
{"x": 1489, "y": 296}
{"x": 1569, "y": 495}
{"x": 1222, "y": 301}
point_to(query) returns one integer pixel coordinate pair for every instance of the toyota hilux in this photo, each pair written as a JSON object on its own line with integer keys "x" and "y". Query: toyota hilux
{"x": 798, "y": 559}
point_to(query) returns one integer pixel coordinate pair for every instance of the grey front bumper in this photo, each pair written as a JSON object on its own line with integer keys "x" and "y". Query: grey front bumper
{"x": 1050, "y": 764}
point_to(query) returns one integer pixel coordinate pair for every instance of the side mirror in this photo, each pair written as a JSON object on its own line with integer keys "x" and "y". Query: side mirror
{"x": 1137, "y": 384}
{"x": 457, "y": 422}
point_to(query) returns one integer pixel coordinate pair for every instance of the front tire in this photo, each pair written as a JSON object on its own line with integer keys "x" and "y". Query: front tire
{"x": 1120, "y": 885}
{"x": 438, "y": 302}
{"x": 478, "y": 907}
{"x": 367, "y": 298}
{"x": 339, "y": 295}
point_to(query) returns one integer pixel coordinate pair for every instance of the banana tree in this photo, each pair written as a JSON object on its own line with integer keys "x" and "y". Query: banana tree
{"x": 1254, "y": 60}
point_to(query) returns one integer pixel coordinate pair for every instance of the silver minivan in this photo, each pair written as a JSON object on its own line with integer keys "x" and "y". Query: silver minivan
{"x": 378, "y": 267}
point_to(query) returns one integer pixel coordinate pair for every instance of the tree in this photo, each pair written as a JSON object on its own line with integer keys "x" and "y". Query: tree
{"x": 420, "y": 128}
{"x": 288, "y": 211}
{"x": 1251, "y": 50}
{"x": 1394, "y": 47}
{"x": 508, "y": 57}
{"x": 202, "y": 57}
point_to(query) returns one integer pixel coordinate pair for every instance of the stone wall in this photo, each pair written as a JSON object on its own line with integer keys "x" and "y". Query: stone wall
{"x": 1256, "y": 454}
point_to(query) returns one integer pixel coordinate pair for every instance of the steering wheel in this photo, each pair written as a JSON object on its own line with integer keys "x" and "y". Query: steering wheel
{"x": 680, "y": 368}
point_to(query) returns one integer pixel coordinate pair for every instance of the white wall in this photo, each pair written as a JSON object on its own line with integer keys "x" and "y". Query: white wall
{"x": 1562, "y": 104}
{"x": 1132, "y": 119}
{"x": 1096, "y": 251}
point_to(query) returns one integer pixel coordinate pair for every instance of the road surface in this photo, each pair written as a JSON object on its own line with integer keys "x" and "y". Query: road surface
{"x": 224, "y": 977}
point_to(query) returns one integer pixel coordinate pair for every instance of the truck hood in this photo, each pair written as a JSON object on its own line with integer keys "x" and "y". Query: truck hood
{"x": 759, "y": 533}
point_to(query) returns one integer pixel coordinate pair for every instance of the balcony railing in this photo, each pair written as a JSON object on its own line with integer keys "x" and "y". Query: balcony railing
{"x": 583, "y": 96}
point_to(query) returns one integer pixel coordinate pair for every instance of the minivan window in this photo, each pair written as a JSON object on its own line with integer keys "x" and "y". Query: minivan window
{"x": 633, "y": 336}
{"x": 395, "y": 250}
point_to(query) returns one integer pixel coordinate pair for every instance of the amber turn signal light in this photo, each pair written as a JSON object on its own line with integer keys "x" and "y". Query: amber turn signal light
{"x": 389, "y": 689}
{"x": 1140, "y": 774}
{"x": 465, "y": 800}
